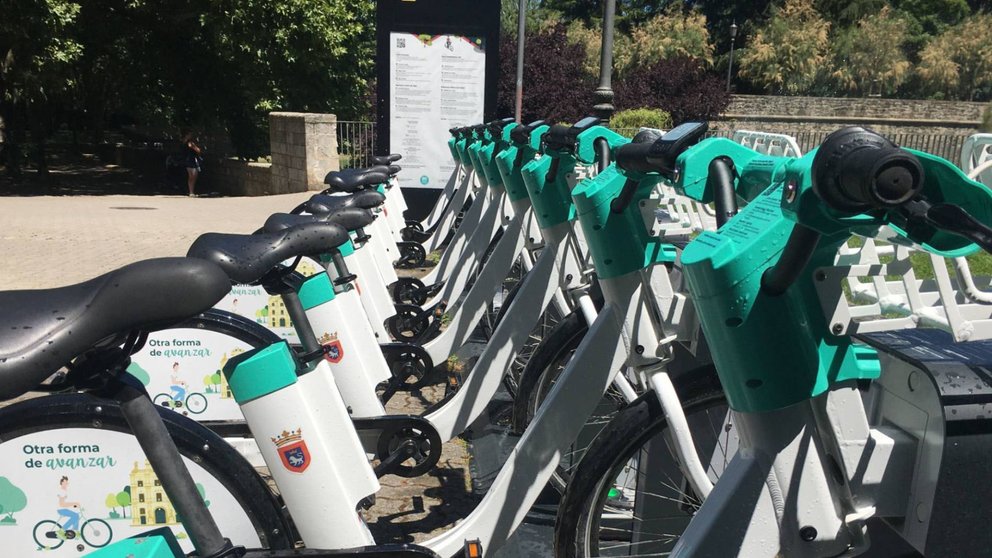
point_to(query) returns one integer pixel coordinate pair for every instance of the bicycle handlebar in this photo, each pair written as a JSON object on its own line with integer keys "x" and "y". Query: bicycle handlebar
{"x": 660, "y": 155}
{"x": 856, "y": 170}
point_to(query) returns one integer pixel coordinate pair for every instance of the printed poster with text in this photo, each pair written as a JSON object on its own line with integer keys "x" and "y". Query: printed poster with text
{"x": 436, "y": 83}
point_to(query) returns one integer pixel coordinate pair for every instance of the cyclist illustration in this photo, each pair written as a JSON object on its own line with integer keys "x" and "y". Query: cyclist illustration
{"x": 49, "y": 534}
{"x": 178, "y": 386}
{"x": 67, "y": 509}
{"x": 194, "y": 402}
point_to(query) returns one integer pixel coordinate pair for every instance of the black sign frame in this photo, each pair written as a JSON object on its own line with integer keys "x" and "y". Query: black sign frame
{"x": 478, "y": 18}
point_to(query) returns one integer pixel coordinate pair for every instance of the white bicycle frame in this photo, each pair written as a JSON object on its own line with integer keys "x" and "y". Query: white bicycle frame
{"x": 596, "y": 363}
{"x": 976, "y": 158}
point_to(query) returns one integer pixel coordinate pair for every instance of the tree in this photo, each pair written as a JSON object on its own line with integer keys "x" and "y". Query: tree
{"x": 36, "y": 53}
{"x": 868, "y": 58}
{"x": 958, "y": 63}
{"x": 591, "y": 41}
{"x": 12, "y": 500}
{"x": 555, "y": 86}
{"x": 671, "y": 34}
{"x": 124, "y": 499}
{"x": 681, "y": 87}
{"x": 787, "y": 52}
{"x": 138, "y": 372}
{"x": 111, "y": 502}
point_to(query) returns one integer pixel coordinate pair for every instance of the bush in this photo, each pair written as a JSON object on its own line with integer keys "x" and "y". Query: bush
{"x": 641, "y": 118}
{"x": 682, "y": 87}
{"x": 986, "y": 125}
{"x": 555, "y": 86}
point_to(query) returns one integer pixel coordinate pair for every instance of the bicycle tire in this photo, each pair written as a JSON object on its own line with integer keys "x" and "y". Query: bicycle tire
{"x": 625, "y": 436}
{"x": 201, "y": 406}
{"x": 86, "y": 539}
{"x": 57, "y": 542}
{"x": 195, "y": 442}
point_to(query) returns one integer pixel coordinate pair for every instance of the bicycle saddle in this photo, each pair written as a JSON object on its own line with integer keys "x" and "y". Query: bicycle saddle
{"x": 352, "y": 180}
{"x": 386, "y": 159}
{"x": 350, "y": 218}
{"x": 45, "y": 329}
{"x": 323, "y": 203}
{"x": 247, "y": 258}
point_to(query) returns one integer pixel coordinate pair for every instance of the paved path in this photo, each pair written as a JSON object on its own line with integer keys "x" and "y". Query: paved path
{"x": 53, "y": 241}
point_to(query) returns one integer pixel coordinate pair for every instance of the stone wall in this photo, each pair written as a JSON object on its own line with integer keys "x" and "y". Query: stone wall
{"x": 792, "y": 115}
{"x": 304, "y": 149}
{"x": 240, "y": 178}
{"x": 902, "y": 109}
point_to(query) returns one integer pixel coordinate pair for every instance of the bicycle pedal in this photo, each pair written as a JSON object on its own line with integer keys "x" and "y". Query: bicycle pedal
{"x": 473, "y": 549}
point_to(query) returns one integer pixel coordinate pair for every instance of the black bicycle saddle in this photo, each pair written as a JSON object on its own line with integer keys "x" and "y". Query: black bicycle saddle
{"x": 386, "y": 159}
{"x": 323, "y": 203}
{"x": 247, "y": 258}
{"x": 45, "y": 329}
{"x": 350, "y": 218}
{"x": 352, "y": 180}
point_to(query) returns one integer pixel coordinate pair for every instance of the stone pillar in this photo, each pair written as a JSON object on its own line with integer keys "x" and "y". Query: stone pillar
{"x": 304, "y": 149}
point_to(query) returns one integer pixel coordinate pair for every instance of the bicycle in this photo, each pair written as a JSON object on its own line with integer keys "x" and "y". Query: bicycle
{"x": 49, "y": 534}
{"x": 808, "y": 437}
{"x": 195, "y": 402}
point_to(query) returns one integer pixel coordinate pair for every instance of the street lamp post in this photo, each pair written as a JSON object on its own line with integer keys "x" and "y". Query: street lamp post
{"x": 604, "y": 93}
{"x": 730, "y": 67}
{"x": 521, "y": 28}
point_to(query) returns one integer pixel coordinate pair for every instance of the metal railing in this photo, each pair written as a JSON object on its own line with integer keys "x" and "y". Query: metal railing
{"x": 356, "y": 143}
{"x": 947, "y": 146}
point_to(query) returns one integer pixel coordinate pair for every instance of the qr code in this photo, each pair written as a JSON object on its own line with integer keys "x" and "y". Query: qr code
{"x": 400, "y": 42}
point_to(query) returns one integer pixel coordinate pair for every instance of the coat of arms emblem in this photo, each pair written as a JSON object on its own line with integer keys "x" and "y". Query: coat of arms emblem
{"x": 333, "y": 350}
{"x": 293, "y": 450}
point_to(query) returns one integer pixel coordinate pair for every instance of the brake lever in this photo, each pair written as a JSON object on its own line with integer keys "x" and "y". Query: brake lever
{"x": 950, "y": 218}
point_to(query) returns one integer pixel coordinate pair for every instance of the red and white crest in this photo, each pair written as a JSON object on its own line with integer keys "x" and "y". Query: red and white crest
{"x": 334, "y": 351}
{"x": 295, "y": 457}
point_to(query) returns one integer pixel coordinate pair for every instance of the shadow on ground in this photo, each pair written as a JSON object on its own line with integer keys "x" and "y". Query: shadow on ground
{"x": 84, "y": 175}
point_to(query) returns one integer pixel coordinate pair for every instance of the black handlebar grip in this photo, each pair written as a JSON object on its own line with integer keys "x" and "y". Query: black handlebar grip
{"x": 856, "y": 169}
{"x": 634, "y": 157}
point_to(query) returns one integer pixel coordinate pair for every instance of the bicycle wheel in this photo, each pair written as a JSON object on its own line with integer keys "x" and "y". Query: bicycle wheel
{"x": 628, "y": 496}
{"x": 196, "y": 403}
{"x": 45, "y": 534}
{"x": 91, "y": 443}
{"x": 539, "y": 376}
{"x": 96, "y": 533}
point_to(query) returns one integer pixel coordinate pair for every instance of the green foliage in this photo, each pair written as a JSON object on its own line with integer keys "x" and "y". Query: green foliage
{"x": 207, "y": 66}
{"x": 788, "y": 51}
{"x": 986, "y": 125}
{"x": 868, "y": 57}
{"x": 675, "y": 33}
{"x": 111, "y": 502}
{"x": 958, "y": 63}
{"x": 641, "y": 118}
{"x": 12, "y": 498}
{"x": 591, "y": 41}
{"x": 124, "y": 499}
